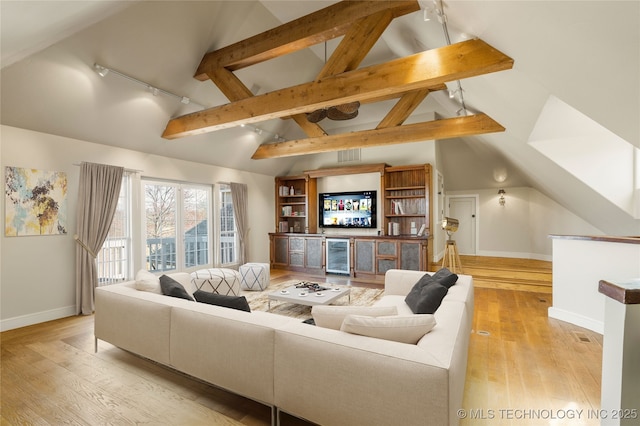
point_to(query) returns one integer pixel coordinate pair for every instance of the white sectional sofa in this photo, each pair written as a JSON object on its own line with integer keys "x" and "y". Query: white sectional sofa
{"x": 326, "y": 376}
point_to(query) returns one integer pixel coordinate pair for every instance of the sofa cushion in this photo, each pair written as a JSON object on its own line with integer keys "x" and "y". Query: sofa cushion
{"x": 173, "y": 288}
{"x": 234, "y": 302}
{"x": 445, "y": 277}
{"x": 332, "y": 316}
{"x": 406, "y": 329}
{"x": 147, "y": 281}
{"x": 425, "y": 296}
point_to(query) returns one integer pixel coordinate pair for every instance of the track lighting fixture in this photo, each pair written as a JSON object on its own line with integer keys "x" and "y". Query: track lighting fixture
{"x": 257, "y": 130}
{"x": 102, "y": 71}
{"x": 437, "y": 9}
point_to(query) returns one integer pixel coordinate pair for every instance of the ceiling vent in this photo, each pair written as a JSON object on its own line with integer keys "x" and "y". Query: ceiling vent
{"x": 349, "y": 155}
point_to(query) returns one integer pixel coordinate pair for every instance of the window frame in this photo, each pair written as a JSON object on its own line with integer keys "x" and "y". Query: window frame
{"x": 127, "y": 261}
{"x": 225, "y": 188}
{"x": 180, "y": 243}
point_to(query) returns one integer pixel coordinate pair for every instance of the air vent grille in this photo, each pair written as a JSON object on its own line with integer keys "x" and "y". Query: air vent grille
{"x": 349, "y": 155}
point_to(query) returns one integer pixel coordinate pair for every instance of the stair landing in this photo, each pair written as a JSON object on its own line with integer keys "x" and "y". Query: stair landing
{"x": 509, "y": 273}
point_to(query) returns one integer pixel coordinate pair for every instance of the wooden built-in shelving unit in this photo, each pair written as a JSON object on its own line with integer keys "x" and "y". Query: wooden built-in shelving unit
{"x": 405, "y": 201}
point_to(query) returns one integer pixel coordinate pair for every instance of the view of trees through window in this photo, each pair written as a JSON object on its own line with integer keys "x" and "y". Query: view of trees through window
{"x": 173, "y": 210}
{"x": 176, "y": 230}
{"x": 196, "y": 226}
{"x": 160, "y": 213}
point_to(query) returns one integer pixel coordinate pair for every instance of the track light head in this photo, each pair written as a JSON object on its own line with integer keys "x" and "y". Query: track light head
{"x": 102, "y": 71}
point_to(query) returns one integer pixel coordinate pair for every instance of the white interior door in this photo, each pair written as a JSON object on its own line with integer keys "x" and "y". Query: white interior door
{"x": 463, "y": 208}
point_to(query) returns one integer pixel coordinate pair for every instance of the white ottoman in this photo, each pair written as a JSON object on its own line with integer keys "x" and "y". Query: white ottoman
{"x": 254, "y": 276}
{"x": 217, "y": 280}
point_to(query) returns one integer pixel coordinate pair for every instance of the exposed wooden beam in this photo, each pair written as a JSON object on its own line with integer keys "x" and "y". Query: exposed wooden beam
{"x": 364, "y": 33}
{"x": 403, "y": 108}
{"x": 432, "y": 67}
{"x": 356, "y": 44}
{"x": 434, "y": 88}
{"x": 311, "y": 129}
{"x": 317, "y": 27}
{"x": 438, "y": 129}
{"x": 230, "y": 85}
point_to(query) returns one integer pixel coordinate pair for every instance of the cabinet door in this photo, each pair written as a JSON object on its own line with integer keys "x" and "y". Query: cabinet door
{"x": 410, "y": 253}
{"x": 296, "y": 244}
{"x": 365, "y": 256}
{"x": 296, "y": 251}
{"x": 296, "y": 259}
{"x": 385, "y": 264}
{"x": 314, "y": 253}
{"x": 281, "y": 250}
{"x": 387, "y": 248}
{"x": 386, "y": 256}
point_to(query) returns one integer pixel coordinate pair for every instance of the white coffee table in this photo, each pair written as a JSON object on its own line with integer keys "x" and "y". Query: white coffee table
{"x": 302, "y": 296}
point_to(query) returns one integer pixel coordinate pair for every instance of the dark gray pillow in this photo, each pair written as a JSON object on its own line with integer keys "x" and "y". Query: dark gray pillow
{"x": 427, "y": 300}
{"x": 445, "y": 277}
{"x": 234, "y": 302}
{"x": 173, "y": 288}
{"x": 414, "y": 294}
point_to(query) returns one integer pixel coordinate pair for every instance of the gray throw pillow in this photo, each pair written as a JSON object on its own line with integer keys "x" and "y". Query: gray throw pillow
{"x": 426, "y": 295}
{"x": 430, "y": 299}
{"x": 414, "y": 294}
{"x": 445, "y": 277}
{"x": 234, "y": 302}
{"x": 173, "y": 288}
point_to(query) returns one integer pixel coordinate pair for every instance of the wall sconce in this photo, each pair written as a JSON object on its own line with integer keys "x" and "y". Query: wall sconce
{"x": 501, "y": 200}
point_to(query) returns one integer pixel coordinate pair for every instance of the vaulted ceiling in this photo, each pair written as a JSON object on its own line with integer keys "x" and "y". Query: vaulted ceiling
{"x": 340, "y": 83}
{"x": 585, "y": 53}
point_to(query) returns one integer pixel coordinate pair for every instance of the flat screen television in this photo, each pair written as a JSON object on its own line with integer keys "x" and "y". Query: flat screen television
{"x": 355, "y": 209}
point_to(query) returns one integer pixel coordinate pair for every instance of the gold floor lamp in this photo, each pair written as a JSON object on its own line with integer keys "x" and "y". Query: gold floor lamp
{"x": 451, "y": 257}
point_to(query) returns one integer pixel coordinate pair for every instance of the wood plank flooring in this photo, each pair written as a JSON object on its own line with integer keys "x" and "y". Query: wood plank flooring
{"x": 508, "y": 273}
{"x": 521, "y": 363}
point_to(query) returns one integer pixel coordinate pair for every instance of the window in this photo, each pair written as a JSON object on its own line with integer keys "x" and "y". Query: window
{"x": 196, "y": 226}
{"x": 114, "y": 258}
{"x": 173, "y": 210}
{"x": 228, "y": 233}
{"x": 160, "y": 215}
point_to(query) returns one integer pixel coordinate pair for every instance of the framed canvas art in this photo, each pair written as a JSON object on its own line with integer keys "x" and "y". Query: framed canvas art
{"x": 35, "y": 202}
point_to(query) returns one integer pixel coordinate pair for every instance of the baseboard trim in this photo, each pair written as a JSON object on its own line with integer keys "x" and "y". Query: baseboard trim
{"x": 37, "y": 318}
{"x": 577, "y": 319}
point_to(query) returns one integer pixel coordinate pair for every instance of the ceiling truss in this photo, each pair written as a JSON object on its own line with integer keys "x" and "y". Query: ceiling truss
{"x": 408, "y": 79}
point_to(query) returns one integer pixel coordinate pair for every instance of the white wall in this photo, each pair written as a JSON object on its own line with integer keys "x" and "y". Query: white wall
{"x": 37, "y": 281}
{"x": 521, "y": 227}
{"x": 578, "y": 267}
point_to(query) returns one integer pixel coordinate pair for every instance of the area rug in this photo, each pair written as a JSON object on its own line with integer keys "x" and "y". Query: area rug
{"x": 258, "y": 301}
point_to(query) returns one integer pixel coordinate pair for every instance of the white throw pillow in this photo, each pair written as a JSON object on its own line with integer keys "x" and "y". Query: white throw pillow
{"x": 146, "y": 281}
{"x": 400, "y": 328}
{"x": 332, "y": 316}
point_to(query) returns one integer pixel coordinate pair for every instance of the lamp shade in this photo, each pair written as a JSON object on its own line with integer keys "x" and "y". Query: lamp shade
{"x": 450, "y": 224}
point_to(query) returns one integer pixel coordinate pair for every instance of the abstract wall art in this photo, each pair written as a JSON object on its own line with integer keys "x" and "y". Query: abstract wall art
{"x": 35, "y": 202}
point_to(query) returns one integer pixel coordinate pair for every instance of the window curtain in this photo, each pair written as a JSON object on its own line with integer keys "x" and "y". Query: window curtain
{"x": 239, "y": 199}
{"x": 98, "y": 193}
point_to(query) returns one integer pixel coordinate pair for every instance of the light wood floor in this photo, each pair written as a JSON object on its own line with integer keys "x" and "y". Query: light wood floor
{"x": 521, "y": 363}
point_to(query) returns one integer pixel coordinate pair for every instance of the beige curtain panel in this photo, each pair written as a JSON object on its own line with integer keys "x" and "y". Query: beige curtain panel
{"x": 239, "y": 199}
{"x": 98, "y": 194}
